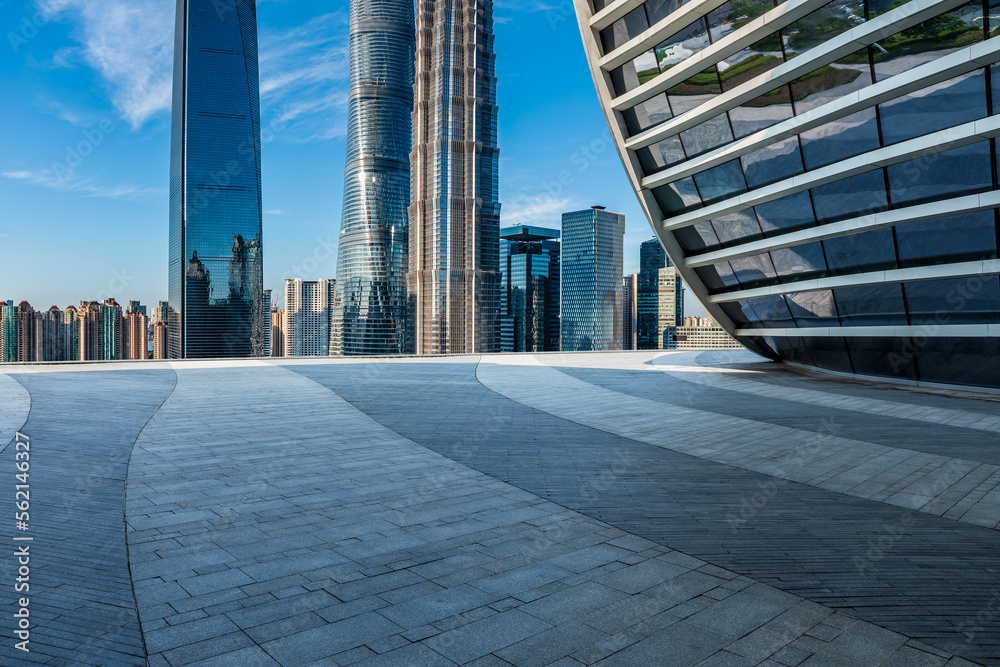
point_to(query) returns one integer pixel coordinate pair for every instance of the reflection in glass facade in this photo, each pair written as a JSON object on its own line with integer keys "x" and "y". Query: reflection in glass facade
{"x": 371, "y": 269}
{"x": 529, "y": 294}
{"x": 453, "y": 282}
{"x": 592, "y": 280}
{"x": 659, "y": 299}
{"x": 215, "y": 265}
{"x": 831, "y": 206}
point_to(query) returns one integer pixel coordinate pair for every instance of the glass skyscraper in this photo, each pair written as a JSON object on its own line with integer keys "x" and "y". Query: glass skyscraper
{"x": 823, "y": 174}
{"x": 592, "y": 280}
{"x": 529, "y": 295}
{"x": 215, "y": 264}
{"x": 454, "y": 276}
{"x": 372, "y": 265}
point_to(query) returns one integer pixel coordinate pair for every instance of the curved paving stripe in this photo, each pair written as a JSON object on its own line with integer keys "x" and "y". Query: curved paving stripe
{"x": 271, "y": 522}
{"x": 705, "y": 369}
{"x": 82, "y": 426}
{"x": 15, "y": 403}
{"x": 800, "y": 539}
{"x": 942, "y": 486}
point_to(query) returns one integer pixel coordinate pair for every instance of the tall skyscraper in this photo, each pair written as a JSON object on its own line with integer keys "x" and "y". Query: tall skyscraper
{"x": 372, "y": 265}
{"x": 52, "y": 330}
{"x": 265, "y": 323}
{"x": 529, "y": 293}
{"x": 660, "y": 298}
{"x": 630, "y": 312}
{"x": 309, "y": 306}
{"x": 215, "y": 261}
{"x": 29, "y": 335}
{"x": 592, "y": 280}
{"x": 112, "y": 331}
{"x": 453, "y": 281}
{"x": 91, "y": 322}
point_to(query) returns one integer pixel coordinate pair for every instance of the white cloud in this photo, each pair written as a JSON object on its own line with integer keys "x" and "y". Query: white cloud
{"x": 274, "y": 211}
{"x": 84, "y": 186}
{"x": 543, "y": 210}
{"x": 130, "y": 44}
{"x": 304, "y": 69}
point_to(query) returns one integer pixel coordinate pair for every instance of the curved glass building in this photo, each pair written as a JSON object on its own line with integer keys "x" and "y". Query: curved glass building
{"x": 823, "y": 174}
{"x": 371, "y": 308}
{"x": 216, "y": 283}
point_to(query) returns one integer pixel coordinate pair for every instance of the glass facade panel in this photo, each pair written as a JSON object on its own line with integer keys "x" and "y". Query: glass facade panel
{"x": 772, "y": 163}
{"x": 871, "y": 305}
{"x": 858, "y": 253}
{"x": 647, "y": 114}
{"x": 621, "y": 31}
{"x": 762, "y": 112}
{"x": 786, "y": 214}
{"x": 813, "y": 309}
{"x": 754, "y": 271}
{"x": 718, "y": 276}
{"x": 677, "y": 197}
{"x": 697, "y": 237}
{"x": 936, "y": 37}
{"x": 961, "y": 238}
{"x": 694, "y": 92}
{"x": 972, "y": 300}
{"x": 802, "y": 262}
{"x": 831, "y": 82}
{"x": 720, "y": 182}
{"x": 707, "y": 136}
{"x": 969, "y": 361}
{"x": 661, "y": 155}
{"x": 737, "y": 227}
{"x": 946, "y": 104}
{"x": 953, "y": 173}
{"x": 850, "y": 197}
{"x": 886, "y": 357}
{"x": 840, "y": 139}
{"x": 772, "y": 312}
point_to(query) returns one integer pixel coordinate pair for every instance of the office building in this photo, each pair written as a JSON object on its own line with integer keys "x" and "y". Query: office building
{"x": 309, "y": 307}
{"x": 529, "y": 294}
{"x": 630, "y": 314}
{"x": 660, "y": 298}
{"x": 266, "y": 323}
{"x": 215, "y": 257}
{"x": 371, "y": 317}
{"x": 821, "y": 174}
{"x": 278, "y": 332}
{"x": 112, "y": 331}
{"x": 69, "y": 338}
{"x": 592, "y": 280}
{"x": 160, "y": 340}
{"x": 701, "y": 333}
{"x": 454, "y": 258}
{"x": 135, "y": 334}
{"x": 8, "y": 332}
{"x": 29, "y": 334}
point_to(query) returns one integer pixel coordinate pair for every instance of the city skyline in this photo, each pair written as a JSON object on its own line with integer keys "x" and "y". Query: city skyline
{"x": 119, "y": 187}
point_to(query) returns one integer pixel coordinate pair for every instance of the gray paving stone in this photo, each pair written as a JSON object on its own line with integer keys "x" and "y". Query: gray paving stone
{"x": 489, "y": 635}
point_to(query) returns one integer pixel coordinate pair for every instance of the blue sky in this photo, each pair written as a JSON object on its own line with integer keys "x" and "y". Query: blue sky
{"x": 84, "y": 140}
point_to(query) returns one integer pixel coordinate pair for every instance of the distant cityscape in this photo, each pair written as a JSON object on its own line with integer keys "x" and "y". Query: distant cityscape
{"x": 423, "y": 265}
{"x": 559, "y": 291}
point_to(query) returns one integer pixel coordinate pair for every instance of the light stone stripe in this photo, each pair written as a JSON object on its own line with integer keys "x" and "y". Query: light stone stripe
{"x": 946, "y": 67}
{"x": 984, "y": 267}
{"x": 864, "y": 223}
{"x": 923, "y": 146}
{"x": 953, "y": 488}
{"x": 910, "y": 14}
{"x": 15, "y": 404}
{"x": 684, "y": 366}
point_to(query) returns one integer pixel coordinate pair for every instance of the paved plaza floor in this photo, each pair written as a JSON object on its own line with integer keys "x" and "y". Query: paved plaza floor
{"x": 613, "y": 509}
